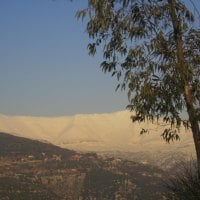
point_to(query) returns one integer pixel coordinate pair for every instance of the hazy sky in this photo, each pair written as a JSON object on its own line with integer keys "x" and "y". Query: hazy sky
{"x": 44, "y": 65}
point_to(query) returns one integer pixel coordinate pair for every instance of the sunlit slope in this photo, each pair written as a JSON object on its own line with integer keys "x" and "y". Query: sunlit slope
{"x": 95, "y": 132}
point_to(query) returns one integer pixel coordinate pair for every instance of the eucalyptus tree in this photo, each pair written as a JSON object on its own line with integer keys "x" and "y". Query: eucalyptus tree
{"x": 153, "y": 48}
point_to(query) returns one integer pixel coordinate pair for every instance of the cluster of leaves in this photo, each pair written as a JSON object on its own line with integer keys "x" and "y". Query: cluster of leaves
{"x": 139, "y": 49}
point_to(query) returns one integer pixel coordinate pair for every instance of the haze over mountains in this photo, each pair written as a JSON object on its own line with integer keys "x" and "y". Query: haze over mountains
{"x": 96, "y": 132}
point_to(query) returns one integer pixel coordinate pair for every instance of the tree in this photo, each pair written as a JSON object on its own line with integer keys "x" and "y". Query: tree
{"x": 153, "y": 48}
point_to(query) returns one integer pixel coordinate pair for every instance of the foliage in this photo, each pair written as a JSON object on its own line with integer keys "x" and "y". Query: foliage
{"x": 139, "y": 43}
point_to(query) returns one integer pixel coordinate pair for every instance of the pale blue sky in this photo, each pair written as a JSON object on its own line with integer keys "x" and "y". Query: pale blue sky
{"x": 44, "y": 65}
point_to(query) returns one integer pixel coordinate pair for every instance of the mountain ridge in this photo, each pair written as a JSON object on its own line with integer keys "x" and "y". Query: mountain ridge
{"x": 96, "y": 132}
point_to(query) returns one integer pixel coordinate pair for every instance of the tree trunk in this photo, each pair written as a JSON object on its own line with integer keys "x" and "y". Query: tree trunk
{"x": 194, "y": 125}
{"x": 196, "y": 137}
{"x": 182, "y": 66}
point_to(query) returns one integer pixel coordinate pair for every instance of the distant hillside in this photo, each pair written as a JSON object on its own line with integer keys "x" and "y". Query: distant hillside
{"x": 17, "y": 146}
{"x": 33, "y": 170}
{"x": 95, "y": 132}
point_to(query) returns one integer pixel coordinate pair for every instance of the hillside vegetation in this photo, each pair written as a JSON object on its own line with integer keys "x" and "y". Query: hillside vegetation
{"x": 31, "y": 169}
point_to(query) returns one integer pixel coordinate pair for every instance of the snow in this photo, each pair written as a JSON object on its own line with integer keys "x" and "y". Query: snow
{"x": 94, "y": 132}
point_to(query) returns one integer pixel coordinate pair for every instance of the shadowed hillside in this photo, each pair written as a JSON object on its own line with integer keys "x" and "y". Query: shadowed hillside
{"x": 17, "y": 146}
{"x": 34, "y": 170}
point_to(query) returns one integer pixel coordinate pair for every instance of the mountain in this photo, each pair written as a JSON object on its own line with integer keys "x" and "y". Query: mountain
{"x": 33, "y": 170}
{"x": 112, "y": 134}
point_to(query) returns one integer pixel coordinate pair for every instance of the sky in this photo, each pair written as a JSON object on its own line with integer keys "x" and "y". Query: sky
{"x": 45, "y": 69}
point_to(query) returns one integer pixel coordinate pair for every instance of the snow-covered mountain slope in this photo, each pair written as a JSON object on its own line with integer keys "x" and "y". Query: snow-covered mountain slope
{"x": 95, "y": 132}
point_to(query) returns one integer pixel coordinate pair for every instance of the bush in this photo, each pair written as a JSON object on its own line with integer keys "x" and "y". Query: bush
{"x": 184, "y": 184}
